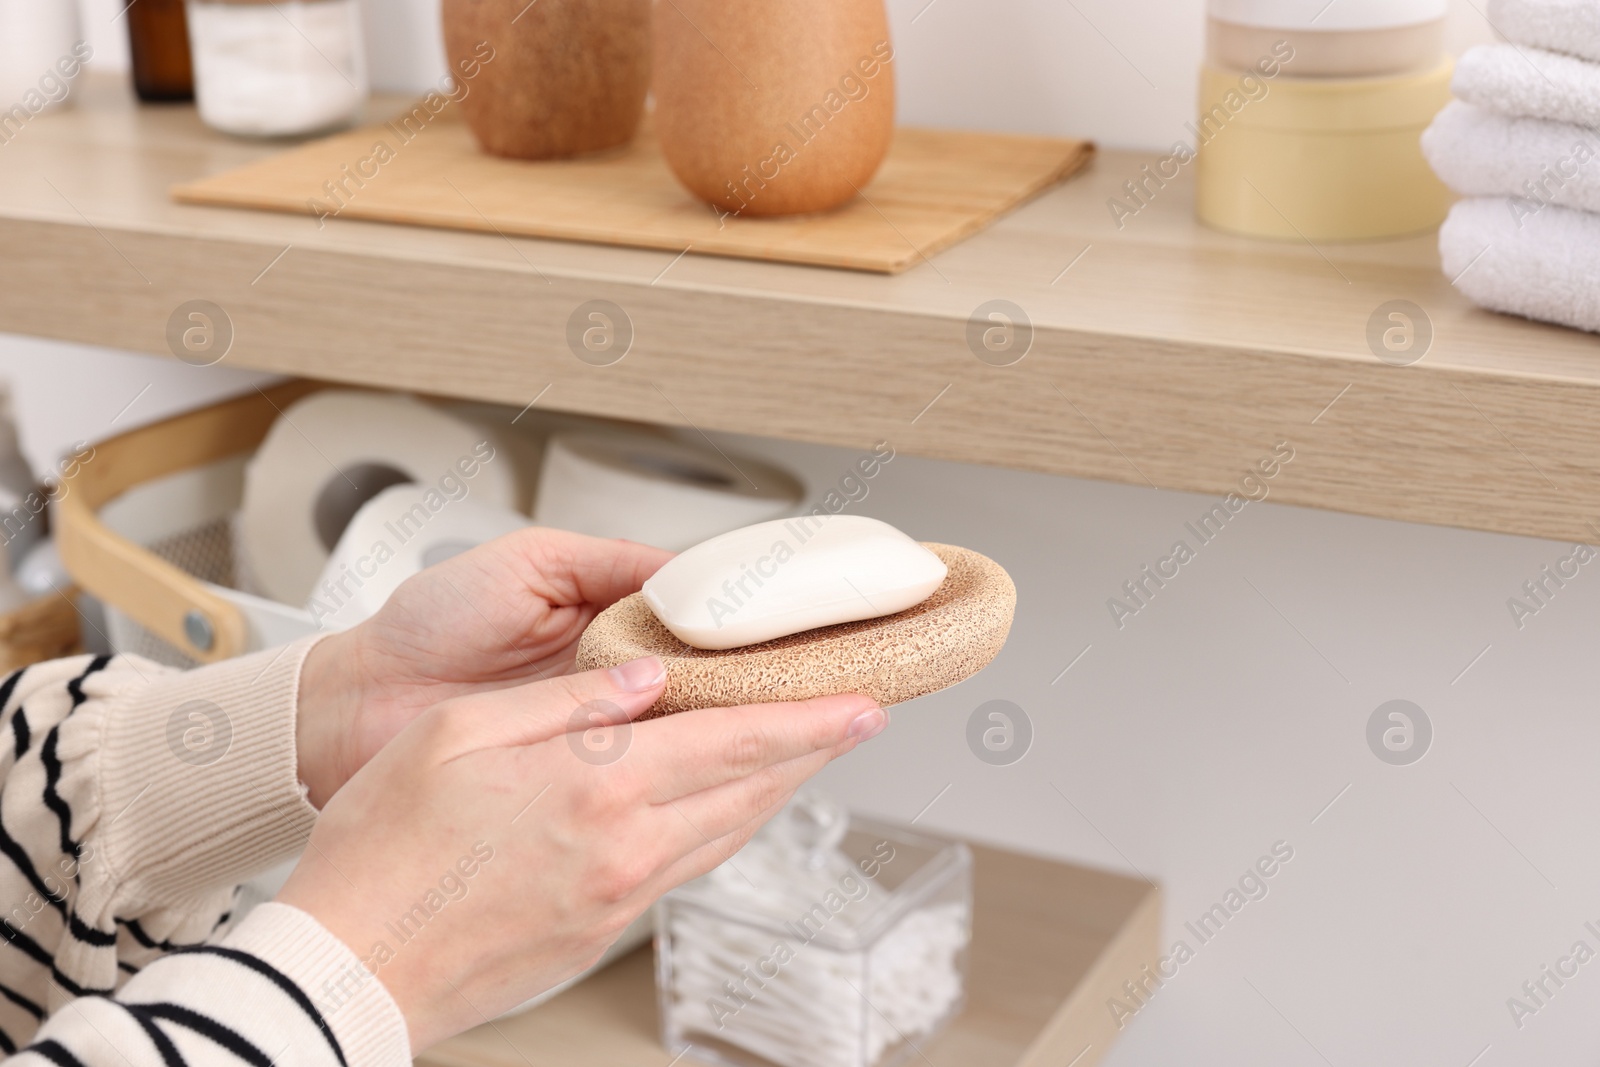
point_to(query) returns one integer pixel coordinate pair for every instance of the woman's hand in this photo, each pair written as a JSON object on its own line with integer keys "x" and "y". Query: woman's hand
{"x": 497, "y": 847}
{"x": 500, "y": 615}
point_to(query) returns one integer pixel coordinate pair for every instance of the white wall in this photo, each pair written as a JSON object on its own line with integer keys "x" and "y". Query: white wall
{"x": 1120, "y": 73}
{"x": 106, "y": 31}
{"x": 64, "y": 393}
{"x": 1229, "y": 713}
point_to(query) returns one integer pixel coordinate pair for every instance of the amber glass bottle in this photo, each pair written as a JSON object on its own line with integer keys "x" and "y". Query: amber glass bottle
{"x": 158, "y": 38}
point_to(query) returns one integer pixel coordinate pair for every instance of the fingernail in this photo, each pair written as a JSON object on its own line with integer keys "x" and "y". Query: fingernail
{"x": 638, "y": 675}
{"x": 868, "y": 724}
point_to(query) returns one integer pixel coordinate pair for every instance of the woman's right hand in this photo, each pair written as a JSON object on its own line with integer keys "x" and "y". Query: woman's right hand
{"x": 502, "y": 841}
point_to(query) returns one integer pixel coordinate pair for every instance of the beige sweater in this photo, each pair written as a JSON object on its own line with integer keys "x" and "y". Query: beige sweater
{"x": 133, "y": 801}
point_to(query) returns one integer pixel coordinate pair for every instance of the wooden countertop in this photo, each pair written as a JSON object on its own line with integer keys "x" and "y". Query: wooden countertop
{"x": 1163, "y": 353}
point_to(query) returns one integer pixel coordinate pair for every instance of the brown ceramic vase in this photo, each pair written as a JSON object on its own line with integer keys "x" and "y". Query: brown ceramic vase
{"x": 562, "y": 78}
{"x": 773, "y": 107}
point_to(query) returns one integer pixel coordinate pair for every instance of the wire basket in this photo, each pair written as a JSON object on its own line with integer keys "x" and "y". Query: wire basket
{"x": 204, "y": 552}
{"x": 147, "y": 525}
{"x": 195, "y": 528}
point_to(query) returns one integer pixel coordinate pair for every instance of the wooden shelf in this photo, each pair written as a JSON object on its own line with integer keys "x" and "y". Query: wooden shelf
{"x": 1167, "y": 354}
{"x": 1051, "y": 944}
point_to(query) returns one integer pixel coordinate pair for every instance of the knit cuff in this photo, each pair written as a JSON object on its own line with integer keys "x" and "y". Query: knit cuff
{"x": 354, "y": 1006}
{"x": 198, "y": 777}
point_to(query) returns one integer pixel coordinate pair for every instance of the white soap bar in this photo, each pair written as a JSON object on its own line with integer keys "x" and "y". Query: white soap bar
{"x": 788, "y": 575}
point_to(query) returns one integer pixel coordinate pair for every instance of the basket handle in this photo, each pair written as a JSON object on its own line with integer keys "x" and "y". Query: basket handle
{"x": 174, "y": 605}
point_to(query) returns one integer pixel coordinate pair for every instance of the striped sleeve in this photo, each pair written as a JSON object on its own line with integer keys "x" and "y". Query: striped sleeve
{"x": 133, "y": 801}
{"x": 278, "y": 991}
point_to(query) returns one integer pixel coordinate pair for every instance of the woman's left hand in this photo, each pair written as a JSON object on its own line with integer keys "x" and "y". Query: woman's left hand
{"x": 503, "y": 614}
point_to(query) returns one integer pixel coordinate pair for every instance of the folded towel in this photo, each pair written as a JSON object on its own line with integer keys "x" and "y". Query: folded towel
{"x": 1571, "y": 26}
{"x": 1530, "y": 81}
{"x": 1479, "y": 153}
{"x": 1545, "y": 266}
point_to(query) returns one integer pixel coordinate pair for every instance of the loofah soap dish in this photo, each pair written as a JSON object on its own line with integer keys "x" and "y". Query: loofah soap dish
{"x": 948, "y": 637}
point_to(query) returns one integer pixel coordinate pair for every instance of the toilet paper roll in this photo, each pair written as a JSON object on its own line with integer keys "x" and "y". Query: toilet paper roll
{"x": 332, "y": 452}
{"x": 400, "y": 532}
{"x": 520, "y": 435}
{"x": 656, "y": 491}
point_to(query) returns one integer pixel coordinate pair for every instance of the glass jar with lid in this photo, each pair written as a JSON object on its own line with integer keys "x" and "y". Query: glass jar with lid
{"x": 277, "y": 68}
{"x": 830, "y": 941}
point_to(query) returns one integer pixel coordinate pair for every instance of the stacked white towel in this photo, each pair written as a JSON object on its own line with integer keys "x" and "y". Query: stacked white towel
{"x": 1522, "y": 143}
{"x": 1537, "y": 162}
{"x": 1570, "y": 26}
